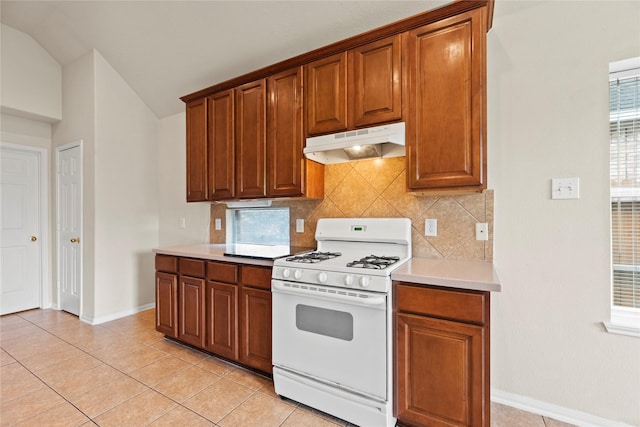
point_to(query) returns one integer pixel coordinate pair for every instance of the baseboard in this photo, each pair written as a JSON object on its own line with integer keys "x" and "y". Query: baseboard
{"x": 118, "y": 315}
{"x": 559, "y": 413}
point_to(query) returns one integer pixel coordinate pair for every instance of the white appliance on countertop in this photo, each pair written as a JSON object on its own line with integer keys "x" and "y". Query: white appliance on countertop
{"x": 332, "y": 319}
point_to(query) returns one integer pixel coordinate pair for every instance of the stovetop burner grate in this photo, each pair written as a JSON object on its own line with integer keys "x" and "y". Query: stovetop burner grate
{"x": 313, "y": 257}
{"x": 374, "y": 262}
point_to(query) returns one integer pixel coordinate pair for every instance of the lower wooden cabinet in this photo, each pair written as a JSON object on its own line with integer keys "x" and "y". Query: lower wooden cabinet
{"x": 191, "y": 310}
{"x": 221, "y": 319}
{"x": 442, "y": 356}
{"x": 167, "y": 303}
{"x": 255, "y": 317}
{"x": 223, "y": 308}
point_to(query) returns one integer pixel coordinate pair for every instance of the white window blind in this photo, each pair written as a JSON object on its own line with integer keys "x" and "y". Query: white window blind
{"x": 624, "y": 121}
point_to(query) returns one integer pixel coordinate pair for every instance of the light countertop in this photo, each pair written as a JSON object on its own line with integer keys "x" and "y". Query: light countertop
{"x": 473, "y": 275}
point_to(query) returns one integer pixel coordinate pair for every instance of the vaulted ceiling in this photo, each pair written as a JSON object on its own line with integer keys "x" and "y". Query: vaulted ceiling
{"x": 167, "y": 49}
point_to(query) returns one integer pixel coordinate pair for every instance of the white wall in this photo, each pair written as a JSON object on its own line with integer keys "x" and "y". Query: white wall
{"x": 78, "y": 110}
{"x": 548, "y": 117}
{"x": 126, "y": 204}
{"x": 30, "y": 81}
{"x": 120, "y": 191}
{"x": 172, "y": 180}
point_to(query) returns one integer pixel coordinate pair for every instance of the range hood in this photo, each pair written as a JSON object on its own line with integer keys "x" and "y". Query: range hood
{"x": 375, "y": 142}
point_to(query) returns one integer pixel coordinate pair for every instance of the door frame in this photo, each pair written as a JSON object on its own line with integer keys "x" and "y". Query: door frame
{"x": 42, "y": 155}
{"x": 78, "y": 143}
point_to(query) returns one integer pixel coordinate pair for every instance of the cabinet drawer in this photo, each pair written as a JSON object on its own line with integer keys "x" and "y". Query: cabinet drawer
{"x": 256, "y": 277}
{"x": 192, "y": 267}
{"x": 167, "y": 263}
{"x": 469, "y": 306}
{"x": 222, "y": 272}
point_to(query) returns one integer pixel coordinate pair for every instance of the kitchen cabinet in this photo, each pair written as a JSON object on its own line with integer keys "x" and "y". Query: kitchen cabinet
{"x": 356, "y": 88}
{"x": 289, "y": 173}
{"x": 252, "y": 144}
{"x": 191, "y": 287}
{"x": 196, "y": 113}
{"x": 167, "y": 295}
{"x": 255, "y": 318}
{"x": 250, "y": 141}
{"x": 220, "y": 307}
{"x": 446, "y": 117}
{"x": 221, "y": 310}
{"x": 221, "y": 156}
{"x": 441, "y": 356}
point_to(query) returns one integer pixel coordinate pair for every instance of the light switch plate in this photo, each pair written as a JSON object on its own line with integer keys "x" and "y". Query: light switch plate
{"x": 218, "y": 224}
{"x": 565, "y": 188}
{"x": 182, "y": 222}
{"x": 299, "y": 225}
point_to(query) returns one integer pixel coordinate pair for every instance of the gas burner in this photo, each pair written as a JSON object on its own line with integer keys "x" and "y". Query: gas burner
{"x": 374, "y": 262}
{"x": 313, "y": 257}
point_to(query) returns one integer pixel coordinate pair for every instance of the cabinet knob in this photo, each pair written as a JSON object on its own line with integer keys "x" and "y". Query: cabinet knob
{"x": 75, "y": 240}
{"x": 33, "y": 238}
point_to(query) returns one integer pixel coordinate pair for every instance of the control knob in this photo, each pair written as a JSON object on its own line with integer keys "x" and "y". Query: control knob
{"x": 364, "y": 281}
{"x": 322, "y": 277}
{"x": 348, "y": 280}
{"x": 286, "y": 273}
{"x": 297, "y": 274}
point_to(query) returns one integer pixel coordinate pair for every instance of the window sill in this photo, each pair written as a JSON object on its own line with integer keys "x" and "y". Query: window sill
{"x": 616, "y": 328}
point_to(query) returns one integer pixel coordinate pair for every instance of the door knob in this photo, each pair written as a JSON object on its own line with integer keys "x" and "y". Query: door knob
{"x": 33, "y": 238}
{"x": 75, "y": 240}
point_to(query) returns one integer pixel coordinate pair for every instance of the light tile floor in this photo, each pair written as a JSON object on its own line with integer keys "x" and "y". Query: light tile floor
{"x": 58, "y": 371}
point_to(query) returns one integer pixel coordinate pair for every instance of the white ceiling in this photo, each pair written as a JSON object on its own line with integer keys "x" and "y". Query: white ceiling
{"x": 167, "y": 49}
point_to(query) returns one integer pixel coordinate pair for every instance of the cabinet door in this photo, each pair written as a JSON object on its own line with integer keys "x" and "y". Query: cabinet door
{"x": 191, "y": 311}
{"x": 440, "y": 377}
{"x": 255, "y": 328}
{"x": 284, "y": 134}
{"x": 167, "y": 304}
{"x": 251, "y": 139}
{"x": 326, "y": 95}
{"x": 375, "y": 84}
{"x": 196, "y": 112}
{"x": 446, "y": 121}
{"x": 221, "y": 319}
{"x": 221, "y": 155}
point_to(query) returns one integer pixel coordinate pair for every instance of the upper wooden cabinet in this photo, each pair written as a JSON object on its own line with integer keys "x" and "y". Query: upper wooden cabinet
{"x": 355, "y": 88}
{"x": 375, "y": 85}
{"x": 196, "y": 112}
{"x": 428, "y": 70}
{"x": 446, "y": 118}
{"x": 326, "y": 99}
{"x": 221, "y": 145}
{"x": 289, "y": 174}
{"x": 251, "y": 130}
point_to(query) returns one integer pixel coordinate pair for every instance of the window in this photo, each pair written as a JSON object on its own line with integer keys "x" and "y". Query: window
{"x": 624, "y": 142}
{"x": 258, "y": 226}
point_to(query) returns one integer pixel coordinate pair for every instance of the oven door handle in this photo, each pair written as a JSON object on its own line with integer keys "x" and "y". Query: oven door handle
{"x": 372, "y": 301}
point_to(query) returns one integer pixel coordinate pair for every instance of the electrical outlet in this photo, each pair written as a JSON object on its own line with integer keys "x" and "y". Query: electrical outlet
{"x": 218, "y": 224}
{"x": 299, "y": 225}
{"x": 431, "y": 227}
{"x": 482, "y": 231}
{"x": 183, "y": 222}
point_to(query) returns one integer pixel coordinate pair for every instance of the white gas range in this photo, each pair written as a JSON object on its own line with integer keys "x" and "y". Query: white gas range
{"x": 332, "y": 319}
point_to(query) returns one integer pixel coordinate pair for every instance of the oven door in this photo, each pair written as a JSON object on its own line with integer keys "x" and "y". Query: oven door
{"x": 332, "y": 335}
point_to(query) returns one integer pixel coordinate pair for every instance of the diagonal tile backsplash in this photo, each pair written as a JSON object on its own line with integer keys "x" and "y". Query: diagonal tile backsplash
{"x": 377, "y": 188}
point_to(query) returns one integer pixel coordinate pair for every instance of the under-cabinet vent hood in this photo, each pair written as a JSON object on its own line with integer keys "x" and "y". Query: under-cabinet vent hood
{"x": 375, "y": 142}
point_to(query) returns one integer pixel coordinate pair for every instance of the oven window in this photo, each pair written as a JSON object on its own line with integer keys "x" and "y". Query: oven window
{"x": 330, "y": 323}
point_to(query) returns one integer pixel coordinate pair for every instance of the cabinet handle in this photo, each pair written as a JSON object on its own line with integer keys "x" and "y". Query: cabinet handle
{"x": 75, "y": 240}
{"x": 33, "y": 238}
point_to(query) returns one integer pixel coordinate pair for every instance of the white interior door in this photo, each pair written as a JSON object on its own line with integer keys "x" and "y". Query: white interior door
{"x": 20, "y": 251}
{"x": 69, "y": 202}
